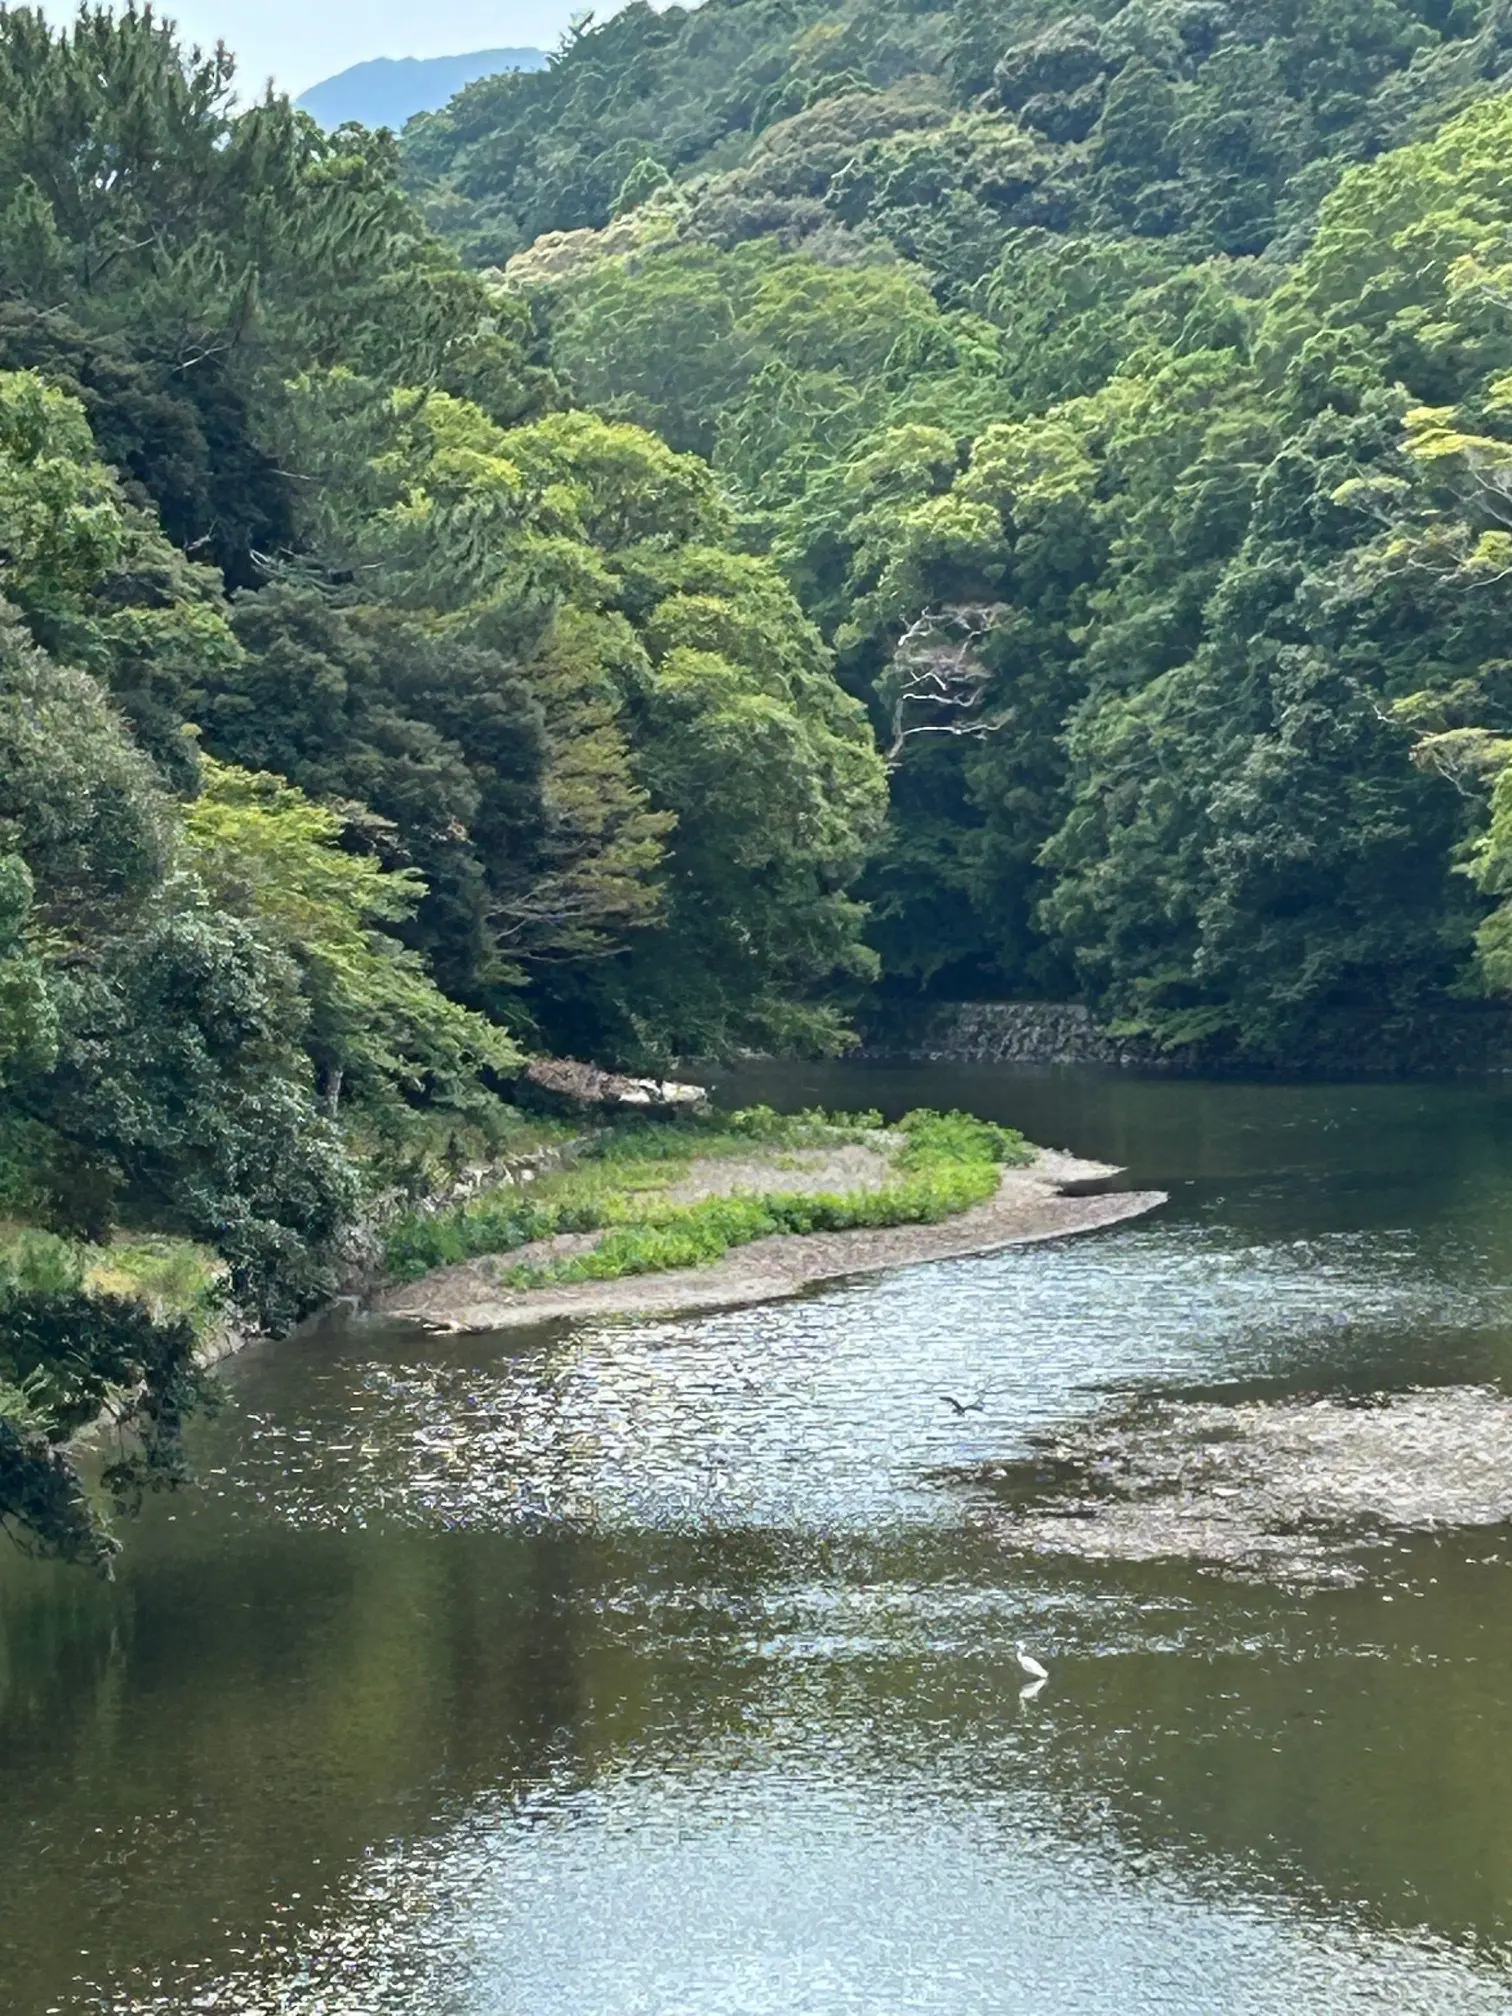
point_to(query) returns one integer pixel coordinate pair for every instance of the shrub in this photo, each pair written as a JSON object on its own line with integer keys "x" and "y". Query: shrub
{"x": 960, "y": 1137}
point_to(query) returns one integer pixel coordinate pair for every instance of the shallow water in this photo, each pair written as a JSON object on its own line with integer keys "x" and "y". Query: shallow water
{"x": 619, "y": 1668}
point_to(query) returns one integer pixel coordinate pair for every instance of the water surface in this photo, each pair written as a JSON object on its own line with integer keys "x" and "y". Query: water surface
{"x": 666, "y": 1667}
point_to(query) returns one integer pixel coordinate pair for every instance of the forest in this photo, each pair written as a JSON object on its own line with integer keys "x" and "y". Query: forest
{"x": 1122, "y": 391}
{"x": 786, "y": 505}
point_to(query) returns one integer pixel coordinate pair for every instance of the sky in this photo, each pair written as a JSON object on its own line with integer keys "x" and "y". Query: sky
{"x": 300, "y": 42}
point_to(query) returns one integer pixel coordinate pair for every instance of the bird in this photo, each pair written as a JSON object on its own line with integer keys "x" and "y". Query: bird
{"x": 1031, "y": 1665}
{"x": 977, "y": 1406}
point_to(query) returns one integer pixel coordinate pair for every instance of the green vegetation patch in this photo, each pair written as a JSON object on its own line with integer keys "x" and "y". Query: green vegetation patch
{"x": 943, "y": 1164}
{"x": 87, "y": 1335}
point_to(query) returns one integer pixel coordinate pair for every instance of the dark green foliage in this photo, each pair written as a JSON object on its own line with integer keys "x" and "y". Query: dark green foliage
{"x": 182, "y": 1088}
{"x": 67, "y": 1360}
{"x": 941, "y": 127}
{"x": 190, "y": 262}
{"x": 176, "y": 1088}
{"x": 440, "y": 735}
{"x": 182, "y": 440}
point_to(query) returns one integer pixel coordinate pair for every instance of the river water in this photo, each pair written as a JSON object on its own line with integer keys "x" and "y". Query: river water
{"x": 667, "y": 1669}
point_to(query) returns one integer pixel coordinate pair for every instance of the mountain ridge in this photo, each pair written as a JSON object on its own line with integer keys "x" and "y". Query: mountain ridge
{"x": 388, "y": 90}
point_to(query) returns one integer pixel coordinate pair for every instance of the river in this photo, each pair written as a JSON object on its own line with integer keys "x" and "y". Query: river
{"x": 666, "y": 1669}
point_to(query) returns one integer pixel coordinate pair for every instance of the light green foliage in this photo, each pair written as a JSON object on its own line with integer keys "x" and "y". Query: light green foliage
{"x": 936, "y": 1138}
{"x": 171, "y": 1277}
{"x": 696, "y": 1235}
{"x": 378, "y": 1028}
{"x": 944, "y": 1164}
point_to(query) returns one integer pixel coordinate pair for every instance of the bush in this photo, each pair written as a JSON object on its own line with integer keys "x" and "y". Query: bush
{"x": 65, "y": 1357}
{"x": 960, "y": 1137}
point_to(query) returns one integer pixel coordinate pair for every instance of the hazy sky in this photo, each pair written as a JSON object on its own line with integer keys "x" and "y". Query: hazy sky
{"x": 298, "y": 42}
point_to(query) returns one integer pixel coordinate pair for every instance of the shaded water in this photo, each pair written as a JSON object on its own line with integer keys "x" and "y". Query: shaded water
{"x": 664, "y": 1668}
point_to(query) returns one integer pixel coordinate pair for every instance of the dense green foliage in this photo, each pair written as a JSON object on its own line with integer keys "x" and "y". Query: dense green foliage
{"x": 1120, "y": 388}
{"x": 70, "y": 1358}
{"x": 1206, "y": 118}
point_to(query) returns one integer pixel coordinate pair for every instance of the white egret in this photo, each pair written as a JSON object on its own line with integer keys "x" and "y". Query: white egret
{"x": 1031, "y": 1665}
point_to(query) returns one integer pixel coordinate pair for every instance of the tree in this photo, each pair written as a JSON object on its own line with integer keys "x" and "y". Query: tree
{"x": 28, "y": 1025}
{"x": 178, "y": 1089}
{"x": 97, "y": 583}
{"x": 69, "y": 1359}
{"x": 670, "y": 676}
{"x": 378, "y": 1027}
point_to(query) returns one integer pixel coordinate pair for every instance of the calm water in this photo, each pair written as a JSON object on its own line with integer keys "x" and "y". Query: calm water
{"x": 663, "y": 1669}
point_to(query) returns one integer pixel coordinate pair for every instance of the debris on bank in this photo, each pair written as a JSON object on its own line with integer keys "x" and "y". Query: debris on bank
{"x": 563, "y": 1084}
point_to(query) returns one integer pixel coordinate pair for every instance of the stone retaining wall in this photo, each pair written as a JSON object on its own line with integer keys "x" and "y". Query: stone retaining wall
{"x": 1466, "y": 1042}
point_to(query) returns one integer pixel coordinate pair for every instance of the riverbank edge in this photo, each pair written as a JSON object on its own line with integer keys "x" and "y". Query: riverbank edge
{"x": 1056, "y": 1196}
{"x": 361, "y": 1276}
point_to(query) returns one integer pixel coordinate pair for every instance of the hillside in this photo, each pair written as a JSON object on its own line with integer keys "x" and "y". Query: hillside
{"x": 391, "y": 89}
{"x": 1122, "y": 390}
{"x": 1217, "y": 123}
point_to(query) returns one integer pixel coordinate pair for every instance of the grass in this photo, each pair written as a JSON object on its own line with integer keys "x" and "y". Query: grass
{"x": 942, "y": 1164}
{"x": 168, "y": 1276}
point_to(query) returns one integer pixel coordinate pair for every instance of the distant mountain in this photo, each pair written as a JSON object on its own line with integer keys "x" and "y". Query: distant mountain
{"x": 389, "y": 90}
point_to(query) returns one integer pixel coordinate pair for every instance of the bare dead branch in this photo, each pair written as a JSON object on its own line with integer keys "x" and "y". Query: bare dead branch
{"x": 937, "y": 682}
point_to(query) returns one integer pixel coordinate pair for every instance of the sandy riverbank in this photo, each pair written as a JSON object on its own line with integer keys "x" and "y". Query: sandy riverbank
{"x": 1031, "y": 1204}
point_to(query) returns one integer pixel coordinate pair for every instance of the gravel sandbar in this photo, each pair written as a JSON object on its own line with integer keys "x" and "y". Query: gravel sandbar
{"x": 1029, "y": 1205}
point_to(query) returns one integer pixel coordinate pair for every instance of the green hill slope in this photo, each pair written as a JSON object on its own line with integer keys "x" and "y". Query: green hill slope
{"x": 1122, "y": 390}
{"x": 1214, "y": 121}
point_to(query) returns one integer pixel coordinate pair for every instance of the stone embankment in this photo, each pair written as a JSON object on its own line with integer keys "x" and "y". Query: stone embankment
{"x": 1467, "y": 1042}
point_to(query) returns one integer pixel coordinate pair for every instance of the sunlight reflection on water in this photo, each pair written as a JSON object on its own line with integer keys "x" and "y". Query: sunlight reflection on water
{"x": 826, "y": 1413}
{"x": 761, "y": 1889}
{"x": 663, "y": 1669}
